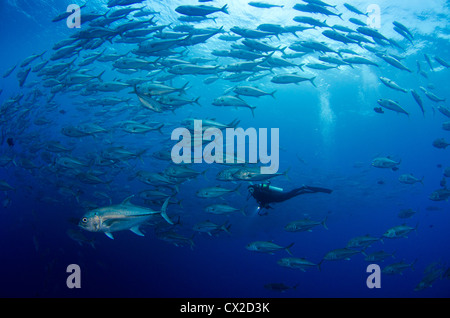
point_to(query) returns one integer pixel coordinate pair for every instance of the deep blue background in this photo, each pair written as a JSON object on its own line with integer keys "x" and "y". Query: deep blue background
{"x": 331, "y": 128}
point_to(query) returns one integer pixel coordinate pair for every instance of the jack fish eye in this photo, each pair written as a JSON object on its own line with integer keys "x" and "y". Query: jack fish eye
{"x": 84, "y": 220}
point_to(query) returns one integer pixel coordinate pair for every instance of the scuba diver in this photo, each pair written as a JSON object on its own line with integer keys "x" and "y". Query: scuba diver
{"x": 265, "y": 194}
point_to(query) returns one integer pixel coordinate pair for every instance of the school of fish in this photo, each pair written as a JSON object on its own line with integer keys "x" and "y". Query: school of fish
{"x": 136, "y": 79}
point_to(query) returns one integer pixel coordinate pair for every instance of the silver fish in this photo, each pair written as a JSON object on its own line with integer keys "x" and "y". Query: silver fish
{"x": 124, "y": 216}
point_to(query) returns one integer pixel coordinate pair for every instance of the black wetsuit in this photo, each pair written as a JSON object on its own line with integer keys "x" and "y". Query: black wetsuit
{"x": 265, "y": 195}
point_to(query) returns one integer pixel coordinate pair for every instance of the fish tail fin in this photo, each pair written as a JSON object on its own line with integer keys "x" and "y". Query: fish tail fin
{"x": 151, "y": 21}
{"x": 226, "y": 227}
{"x": 243, "y": 211}
{"x": 312, "y": 81}
{"x": 320, "y": 263}
{"x": 340, "y": 16}
{"x": 252, "y": 108}
{"x": 135, "y": 90}
{"x": 286, "y": 173}
{"x": 288, "y": 247}
{"x": 163, "y": 211}
{"x": 324, "y": 224}
{"x": 421, "y": 180}
{"x": 159, "y": 129}
{"x": 203, "y": 173}
{"x": 273, "y": 94}
{"x": 196, "y": 101}
{"x": 224, "y": 9}
{"x": 183, "y": 89}
{"x": 139, "y": 155}
{"x": 234, "y": 123}
{"x": 267, "y": 56}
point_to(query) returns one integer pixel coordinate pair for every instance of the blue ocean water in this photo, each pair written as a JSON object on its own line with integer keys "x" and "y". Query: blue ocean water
{"x": 329, "y": 136}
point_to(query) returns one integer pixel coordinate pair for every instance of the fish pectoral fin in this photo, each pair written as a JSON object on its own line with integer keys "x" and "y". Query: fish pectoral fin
{"x": 111, "y": 222}
{"x": 109, "y": 234}
{"x": 136, "y": 230}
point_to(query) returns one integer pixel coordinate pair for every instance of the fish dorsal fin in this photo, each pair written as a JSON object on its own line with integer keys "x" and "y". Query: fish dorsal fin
{"x": 127, "y": 200}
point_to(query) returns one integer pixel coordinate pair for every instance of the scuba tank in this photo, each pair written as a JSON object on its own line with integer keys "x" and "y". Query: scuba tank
{"x": 261, "y": 188}
{"x": 267, "y": 186}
